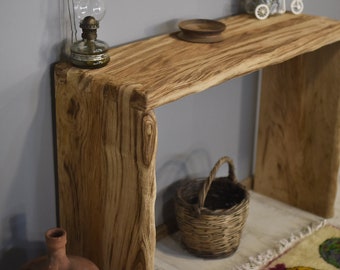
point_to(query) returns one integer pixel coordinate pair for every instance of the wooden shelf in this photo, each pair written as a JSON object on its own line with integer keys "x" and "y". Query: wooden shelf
{"x": 106, "y": 129}
{"x": 269, "y": 222}
{"x": 163, "y": 69}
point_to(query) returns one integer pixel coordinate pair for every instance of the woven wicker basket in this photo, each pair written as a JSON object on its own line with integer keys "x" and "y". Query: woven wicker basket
{"x": 211, "y": 213}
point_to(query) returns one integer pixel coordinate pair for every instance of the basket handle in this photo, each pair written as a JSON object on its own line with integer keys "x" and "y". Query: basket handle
{"x": 206, "y": 186}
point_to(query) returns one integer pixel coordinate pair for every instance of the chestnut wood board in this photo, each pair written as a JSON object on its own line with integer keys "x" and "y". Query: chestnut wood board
{"x": 269, "y": 222}
{"x": 298, "y": 146}
{"x": 106, "y": 130}
{"x": 106, "y": 173}
{"x": 164, "y": 68}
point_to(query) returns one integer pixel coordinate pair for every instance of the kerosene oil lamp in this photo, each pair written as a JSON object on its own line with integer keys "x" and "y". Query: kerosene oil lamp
{"x": 89, "y": 52}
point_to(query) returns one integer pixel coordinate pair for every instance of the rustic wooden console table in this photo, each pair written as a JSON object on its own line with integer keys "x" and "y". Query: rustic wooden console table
{"x": 107, "y": 130}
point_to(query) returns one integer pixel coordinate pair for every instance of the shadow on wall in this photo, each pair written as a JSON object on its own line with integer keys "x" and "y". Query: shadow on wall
{"x": 17, "y": 249}
{"x": 193, "y": 165}
{"x": 28, "y": 188}
{"x": 248, "y": 129}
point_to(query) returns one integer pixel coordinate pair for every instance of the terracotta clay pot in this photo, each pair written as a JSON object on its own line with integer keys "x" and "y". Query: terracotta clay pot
{"x": 56, "y": 258}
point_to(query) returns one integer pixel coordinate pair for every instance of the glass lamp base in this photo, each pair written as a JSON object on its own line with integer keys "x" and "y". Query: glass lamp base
{"x": 89, "y": 54}
{"x": 89, "y": 61}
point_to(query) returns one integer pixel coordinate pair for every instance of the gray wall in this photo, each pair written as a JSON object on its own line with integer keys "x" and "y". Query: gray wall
{"x": 193, "y": 132}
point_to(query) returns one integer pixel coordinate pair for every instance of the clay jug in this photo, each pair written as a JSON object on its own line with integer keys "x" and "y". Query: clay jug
{"x": 56, "y": 258}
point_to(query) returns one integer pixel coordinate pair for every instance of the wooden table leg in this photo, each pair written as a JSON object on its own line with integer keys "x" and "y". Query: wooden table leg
{"x": 298, "y": 147}
{"x": 106, "y": 174}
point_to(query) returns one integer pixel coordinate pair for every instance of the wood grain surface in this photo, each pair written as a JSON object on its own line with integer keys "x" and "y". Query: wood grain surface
{"x": 107, "y": 131}
{"x": 106, "y": 170}
{"x": 165, "y": 68}
{"x": 298, "y": 154}
{"x": 268, "y": 223}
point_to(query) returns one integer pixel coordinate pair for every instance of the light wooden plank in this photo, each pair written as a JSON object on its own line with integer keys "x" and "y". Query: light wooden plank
{"x": 268, "y": 222}
{"x": 299, "y": 131}
{"x": 106, "y": 173}
{"x": 107, "y": 132}
{"x": 163, "y": 69}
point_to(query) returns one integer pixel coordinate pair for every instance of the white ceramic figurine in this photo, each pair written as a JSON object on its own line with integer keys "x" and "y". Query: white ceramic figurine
{"x": 263, "y": 8}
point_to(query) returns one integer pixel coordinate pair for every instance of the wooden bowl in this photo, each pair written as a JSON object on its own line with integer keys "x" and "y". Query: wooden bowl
{"x": 201, "y": 30}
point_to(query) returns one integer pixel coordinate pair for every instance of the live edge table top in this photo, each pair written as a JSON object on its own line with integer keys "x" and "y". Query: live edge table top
{"x": 164, "y": 68}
